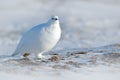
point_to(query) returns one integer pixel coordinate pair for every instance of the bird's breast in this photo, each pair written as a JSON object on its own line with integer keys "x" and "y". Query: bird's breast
{"x": 48, "y": 37}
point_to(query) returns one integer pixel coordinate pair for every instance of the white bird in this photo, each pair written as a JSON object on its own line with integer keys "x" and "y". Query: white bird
{"x": 40, "y": 38}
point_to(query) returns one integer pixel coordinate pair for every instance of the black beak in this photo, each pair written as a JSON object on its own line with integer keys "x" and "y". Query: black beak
{"x": 56, "y": 19}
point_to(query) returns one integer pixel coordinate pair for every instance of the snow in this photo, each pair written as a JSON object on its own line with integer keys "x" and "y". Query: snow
{"x": 97, "y": 74}
{"x": 90, "y": 26}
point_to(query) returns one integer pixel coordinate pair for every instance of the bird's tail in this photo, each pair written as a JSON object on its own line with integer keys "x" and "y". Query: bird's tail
{"x": 14, "y": 54}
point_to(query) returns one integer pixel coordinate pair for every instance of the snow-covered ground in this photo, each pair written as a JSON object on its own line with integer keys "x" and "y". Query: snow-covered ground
{"x": 87, "y": 27}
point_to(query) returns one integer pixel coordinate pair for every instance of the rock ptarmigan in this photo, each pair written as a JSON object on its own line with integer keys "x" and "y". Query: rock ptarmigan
{"x": 40, "y": 38}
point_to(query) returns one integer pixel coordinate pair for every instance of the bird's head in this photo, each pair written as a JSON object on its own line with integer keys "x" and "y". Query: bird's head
{"x": 54, "y": 18}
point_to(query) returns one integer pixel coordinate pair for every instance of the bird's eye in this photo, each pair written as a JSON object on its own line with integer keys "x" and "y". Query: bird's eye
{"x": 54, "y": 19}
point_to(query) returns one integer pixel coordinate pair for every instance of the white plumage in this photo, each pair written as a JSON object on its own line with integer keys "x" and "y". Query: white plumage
{"x": 39, "y": 39}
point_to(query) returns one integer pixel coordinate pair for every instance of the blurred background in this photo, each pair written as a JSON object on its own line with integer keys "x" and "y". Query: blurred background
{"x": 84, "y": 23}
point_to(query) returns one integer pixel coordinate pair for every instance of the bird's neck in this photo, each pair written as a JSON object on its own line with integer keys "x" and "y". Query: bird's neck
{"x": 53, "y": 23}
